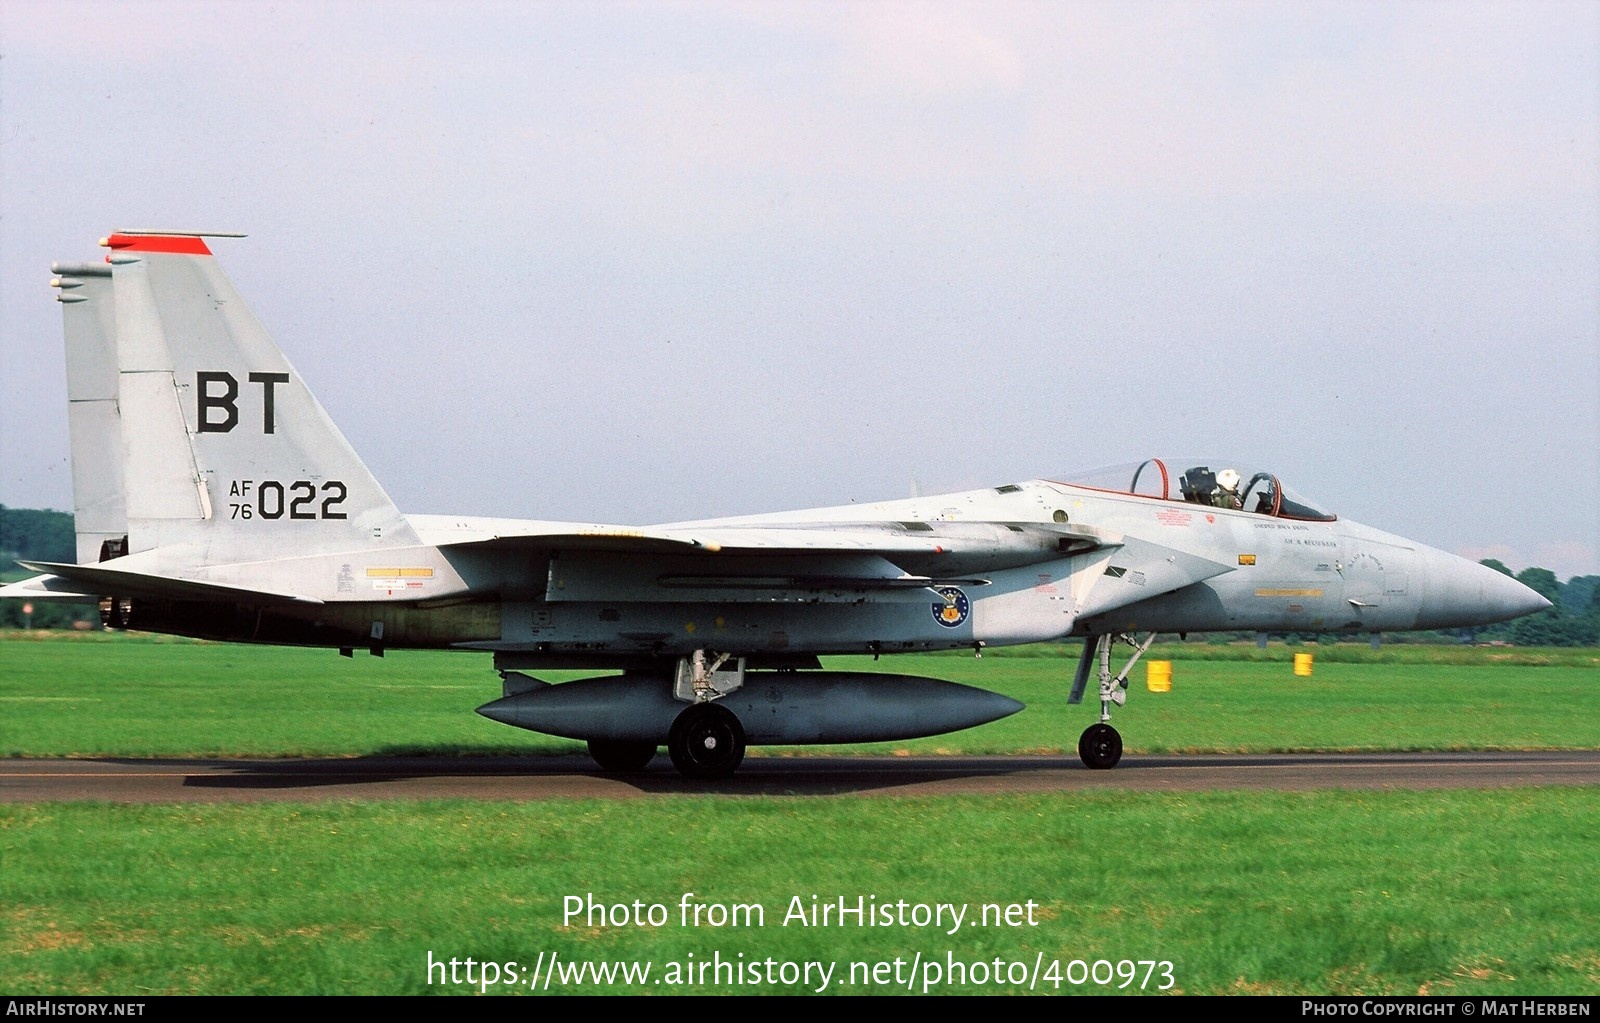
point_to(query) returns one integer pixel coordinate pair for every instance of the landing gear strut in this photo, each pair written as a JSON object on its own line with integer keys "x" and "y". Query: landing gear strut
{"x": 706, "y": 739}
{"x": 1100, "y": 746}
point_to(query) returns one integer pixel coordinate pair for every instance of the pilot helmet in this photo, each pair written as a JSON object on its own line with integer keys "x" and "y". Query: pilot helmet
{"x": 1228, "y": 479}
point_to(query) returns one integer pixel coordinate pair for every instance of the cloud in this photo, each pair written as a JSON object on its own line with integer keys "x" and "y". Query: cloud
{"x": 1415, "y": 102}
{"x": 925, "y": 51}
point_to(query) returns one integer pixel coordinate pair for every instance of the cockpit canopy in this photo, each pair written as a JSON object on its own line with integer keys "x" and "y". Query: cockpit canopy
{"x": 1217, "y": 482}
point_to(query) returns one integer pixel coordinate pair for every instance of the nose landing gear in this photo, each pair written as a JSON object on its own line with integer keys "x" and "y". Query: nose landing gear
{"x": 1100, "y": 746}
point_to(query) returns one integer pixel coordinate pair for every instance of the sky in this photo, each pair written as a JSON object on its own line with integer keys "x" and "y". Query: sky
{"x": 647, "y": 262}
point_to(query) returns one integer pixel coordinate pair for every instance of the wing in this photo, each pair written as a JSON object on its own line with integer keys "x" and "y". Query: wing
{"x": 845, "y": 561}
{"x": 755, "y": 561}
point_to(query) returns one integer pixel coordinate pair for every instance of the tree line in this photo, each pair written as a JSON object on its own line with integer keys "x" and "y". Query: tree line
{"x": 35, "y": 534}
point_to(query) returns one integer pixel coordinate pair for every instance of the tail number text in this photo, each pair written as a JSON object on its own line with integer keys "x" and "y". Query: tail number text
{"x": 274, "y": 499}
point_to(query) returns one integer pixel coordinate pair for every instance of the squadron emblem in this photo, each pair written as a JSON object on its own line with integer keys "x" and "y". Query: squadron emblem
{"x": 953, "y": 609}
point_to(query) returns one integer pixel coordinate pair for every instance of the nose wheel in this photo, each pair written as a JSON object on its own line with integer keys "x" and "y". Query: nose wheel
{"x": 706, "y": 741}
{"x": 1100, "y": 747}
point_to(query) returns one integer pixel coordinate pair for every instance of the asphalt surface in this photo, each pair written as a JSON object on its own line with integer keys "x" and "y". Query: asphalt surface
{"x": 371, "y": 778}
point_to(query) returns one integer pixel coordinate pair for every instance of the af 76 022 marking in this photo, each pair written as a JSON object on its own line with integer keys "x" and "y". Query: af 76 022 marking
{"x": 274, "y": 499}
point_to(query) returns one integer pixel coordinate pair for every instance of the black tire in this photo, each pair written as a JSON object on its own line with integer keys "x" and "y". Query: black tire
{"x": 1100, "y": 747}
{"x": 706, "y": 741}
{"x": 621, "y": 756}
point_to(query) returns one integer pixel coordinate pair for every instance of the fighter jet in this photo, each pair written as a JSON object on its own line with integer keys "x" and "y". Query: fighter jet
{"x": 215, "y": 498}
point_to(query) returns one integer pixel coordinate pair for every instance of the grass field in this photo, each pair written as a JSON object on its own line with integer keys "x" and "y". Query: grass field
{"x": 1455, "y": 892}
{"x": 1449, "y": 893}
{"x": 141, "y": 696}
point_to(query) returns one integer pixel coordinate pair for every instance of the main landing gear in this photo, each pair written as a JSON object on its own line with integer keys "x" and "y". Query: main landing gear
{"x": 1100, "y": 746}
{"x": 706, "y": 741}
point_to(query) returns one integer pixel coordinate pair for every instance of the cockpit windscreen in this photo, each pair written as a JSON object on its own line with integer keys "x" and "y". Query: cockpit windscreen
{"x": 1217, "y": 483}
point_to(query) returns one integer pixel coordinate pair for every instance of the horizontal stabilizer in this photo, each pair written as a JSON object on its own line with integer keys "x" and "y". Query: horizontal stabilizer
{"x": 45, "y": 587}
{"x": 107, "y": 582}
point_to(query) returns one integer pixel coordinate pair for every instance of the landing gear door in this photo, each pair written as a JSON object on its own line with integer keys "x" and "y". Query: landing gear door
{"x": 700, "y": 679}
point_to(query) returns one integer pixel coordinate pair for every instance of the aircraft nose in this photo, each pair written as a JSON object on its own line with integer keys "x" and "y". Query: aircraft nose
{"x": 1462, "y": 592}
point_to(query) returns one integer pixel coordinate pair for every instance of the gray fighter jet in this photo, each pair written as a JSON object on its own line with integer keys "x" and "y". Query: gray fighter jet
{"x": 215, "y": 498}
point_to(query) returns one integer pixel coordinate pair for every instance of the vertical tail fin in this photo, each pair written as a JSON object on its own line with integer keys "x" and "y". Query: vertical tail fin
{"x": 226, "y": 449}
{"x": 88, "y": 313}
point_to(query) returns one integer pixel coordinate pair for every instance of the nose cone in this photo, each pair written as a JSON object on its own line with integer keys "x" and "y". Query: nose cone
{"x": 1462, "y": 592}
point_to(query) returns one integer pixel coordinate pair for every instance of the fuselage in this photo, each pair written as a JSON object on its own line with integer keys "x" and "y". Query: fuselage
{"x": 597, "y": 609}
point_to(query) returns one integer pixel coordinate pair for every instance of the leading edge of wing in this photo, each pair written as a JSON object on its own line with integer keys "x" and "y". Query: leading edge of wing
{"x": 1032, "y": 541}
{"x": 101, "y": 581}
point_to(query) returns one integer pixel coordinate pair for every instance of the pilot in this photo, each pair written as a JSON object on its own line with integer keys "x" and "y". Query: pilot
{"x": 1227, "y": 493}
